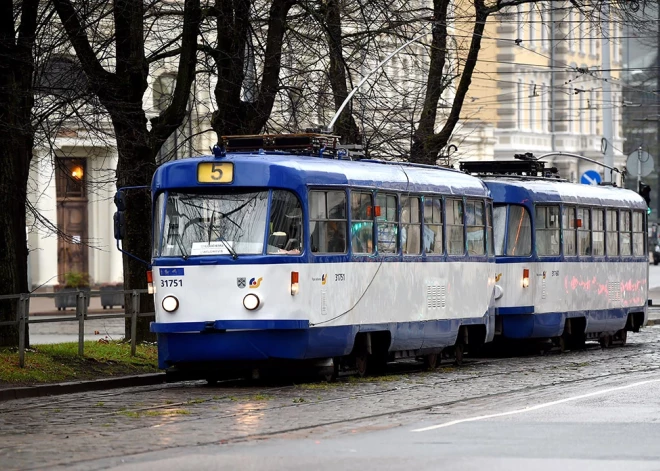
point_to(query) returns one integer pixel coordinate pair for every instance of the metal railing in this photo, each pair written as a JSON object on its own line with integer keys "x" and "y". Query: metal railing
{"x": 81, "y": 314}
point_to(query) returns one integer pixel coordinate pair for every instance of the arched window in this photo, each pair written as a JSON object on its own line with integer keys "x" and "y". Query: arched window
{"x": 62, "y": 77}
{"x": 178, "y": 144}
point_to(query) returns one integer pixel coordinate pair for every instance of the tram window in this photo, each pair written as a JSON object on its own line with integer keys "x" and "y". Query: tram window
{"x": 519, "y": 230}
{"x": 568, "y": 224}
{"x": 362, "y": 222}
{"x": 597, "y": 233}
{"x": 476, "y": 227}
{"x": 410, "y": 225}
{"x": 456, "y": 243}
{"x": 215, "y": 224}
{"x": 638, "y": 233}
{"x": 158, "y": 217}
{"x": 500, "y": 228}
{"x": 433, "y": 225}
{"x": 489, "y": 224}
{"x": 547, "y": 230}
{"x": 285, "y": 235}
{"x": 624, "y": 232}
{"x": 327, "y": 221}
{"x": 584, "y": 231}
{"x": 612, "y": 235}
{"x": 387, "y": 223}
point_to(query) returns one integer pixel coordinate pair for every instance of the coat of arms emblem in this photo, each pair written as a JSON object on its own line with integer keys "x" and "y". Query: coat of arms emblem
{"x": 240, "y": 282}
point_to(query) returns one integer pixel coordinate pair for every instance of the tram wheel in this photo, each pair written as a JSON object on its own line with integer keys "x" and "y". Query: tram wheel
{"x": 458, "y": 354}
{"x": 605, "y": 341}
{"x": 562, "y": 343}
{"x": 211, "y": 381}
{"x": 331, "y": 375}
{"x": 431, "y": 361}
{"x": 622, "y": 336}
{"x": 361, "y": 364}
{"x": 577, "y": 341}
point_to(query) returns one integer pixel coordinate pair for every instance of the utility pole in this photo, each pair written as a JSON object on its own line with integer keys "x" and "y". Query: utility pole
{"x": 657, "y": 101}
{"x": 608, "y": 133}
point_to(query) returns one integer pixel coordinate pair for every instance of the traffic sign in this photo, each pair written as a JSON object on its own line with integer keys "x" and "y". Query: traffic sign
{"x": 639, "y": 161}
{"x": 590, "y": 177}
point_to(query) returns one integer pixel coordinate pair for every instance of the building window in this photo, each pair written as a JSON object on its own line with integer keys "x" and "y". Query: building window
{"x": 327, "y": 221}
{"x": 581, "y": 32}
{"x": 544, "y": 109}
{"x": 544, "y": 27}
{"x": 582, "y": 112}
{"x": 519, "y": 104}
{"x": 532, "y": 26}
{"x": 532, "y": 106}
{"x": 570, "y": 34}
{"x": 177, "y": 144}
{"x": 519, "y": 22}
{"x": 592, "y": 112}
{"x": 433, "y": 225}
{"x": 570, "y": 119}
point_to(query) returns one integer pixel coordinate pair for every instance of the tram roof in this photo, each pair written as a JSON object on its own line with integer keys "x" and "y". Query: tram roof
{"x": 512, "y": 190}
{"x": 282, "y": 170}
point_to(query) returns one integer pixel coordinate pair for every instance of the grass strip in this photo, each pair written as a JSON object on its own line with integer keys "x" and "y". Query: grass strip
{"x": 60, "y": 362}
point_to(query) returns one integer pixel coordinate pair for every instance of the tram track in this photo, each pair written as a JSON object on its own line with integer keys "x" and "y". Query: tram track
{"x": 248, "y": 388}
{"x": 250, "y": 391}
{"x": 366, "y": 417}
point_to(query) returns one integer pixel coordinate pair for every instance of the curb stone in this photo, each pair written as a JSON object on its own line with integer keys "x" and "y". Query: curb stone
{"x": 81, "y": 386}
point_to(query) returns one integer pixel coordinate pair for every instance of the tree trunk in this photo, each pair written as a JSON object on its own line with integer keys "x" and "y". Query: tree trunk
{"x": 435, "y": 85}
{"x": 346, "y": 126}
{"x": 15, "y": 156}
{"x": 136, "y": 167}
{"x": 235, "y": 116}
{"x": 16, "y": 141}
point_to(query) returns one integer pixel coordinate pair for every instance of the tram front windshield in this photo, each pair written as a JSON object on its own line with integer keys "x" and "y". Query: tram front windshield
{"x": 228, "y": 224}
{"x": 513, "y": 230}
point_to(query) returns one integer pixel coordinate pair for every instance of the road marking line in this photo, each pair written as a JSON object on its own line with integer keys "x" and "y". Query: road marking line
{"x": 536, "y": 407}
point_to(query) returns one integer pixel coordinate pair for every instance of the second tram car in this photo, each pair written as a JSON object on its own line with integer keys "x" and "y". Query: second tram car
{"x": 261, "y": 256}
{"x": 572, "y": 262}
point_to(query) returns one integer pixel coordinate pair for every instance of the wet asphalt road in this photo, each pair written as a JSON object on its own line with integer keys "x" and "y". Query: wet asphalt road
{"x": 493, "y": 413}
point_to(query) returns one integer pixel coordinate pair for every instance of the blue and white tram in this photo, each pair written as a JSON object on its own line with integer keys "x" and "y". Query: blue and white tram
{"x": 572, "y": 262}
{"x": 264, "y": 256}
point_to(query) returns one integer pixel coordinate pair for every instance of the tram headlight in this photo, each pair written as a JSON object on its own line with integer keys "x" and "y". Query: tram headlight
{"x": 525, "y": 280}
{"x": 170, "y": 303}
{"x": 251, "y": 301}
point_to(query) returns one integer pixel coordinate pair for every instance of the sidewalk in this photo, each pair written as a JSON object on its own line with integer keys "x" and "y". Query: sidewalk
{"x": 46, "y": 307}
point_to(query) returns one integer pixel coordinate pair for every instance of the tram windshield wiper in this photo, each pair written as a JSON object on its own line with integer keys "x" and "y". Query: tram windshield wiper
{"x": 228, "y": 246}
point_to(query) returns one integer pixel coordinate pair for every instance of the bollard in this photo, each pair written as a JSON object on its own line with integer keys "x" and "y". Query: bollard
{"x": 134, "y": 314}
{"x": 81, "y": 306}
{"x": 23, "y": 309}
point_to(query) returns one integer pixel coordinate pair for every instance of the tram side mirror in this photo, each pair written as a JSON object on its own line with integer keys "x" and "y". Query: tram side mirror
{"x": 120, "y": 201}
{"x": 120, "y": 225}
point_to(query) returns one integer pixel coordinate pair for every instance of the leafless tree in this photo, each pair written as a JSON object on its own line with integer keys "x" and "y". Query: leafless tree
{"x": 110, "y": 45}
